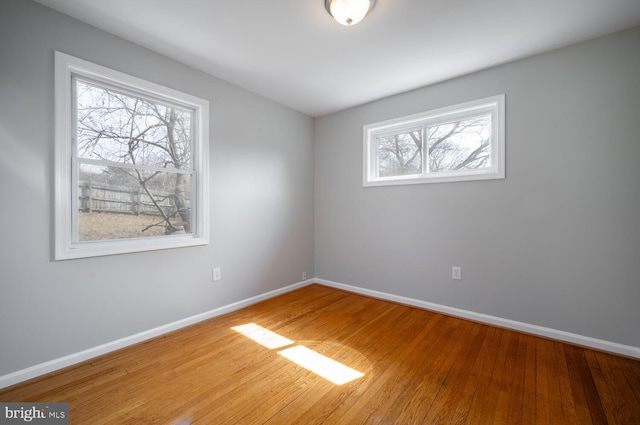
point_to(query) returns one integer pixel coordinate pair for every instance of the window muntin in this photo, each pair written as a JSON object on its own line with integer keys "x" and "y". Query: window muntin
{"x": 131, "y": 163}
{"x": 462, "y": 142}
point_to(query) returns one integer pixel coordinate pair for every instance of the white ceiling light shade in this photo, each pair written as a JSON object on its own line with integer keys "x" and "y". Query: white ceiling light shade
{"x": 349, "y": 12}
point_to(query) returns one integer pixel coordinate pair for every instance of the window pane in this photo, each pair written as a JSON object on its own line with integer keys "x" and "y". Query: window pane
{"x": 400, "y": 154}
{"x": 120, "y": 203}
{"x": 460, "y": 145}
{"x": 122, "y": 128}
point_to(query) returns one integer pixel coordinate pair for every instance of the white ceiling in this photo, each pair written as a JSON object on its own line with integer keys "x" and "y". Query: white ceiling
{"x": 293, "y": 52}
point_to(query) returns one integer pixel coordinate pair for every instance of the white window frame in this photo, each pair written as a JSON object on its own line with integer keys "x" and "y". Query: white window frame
{"x": 66, "y": 247}
{"x": 493, "y": 105}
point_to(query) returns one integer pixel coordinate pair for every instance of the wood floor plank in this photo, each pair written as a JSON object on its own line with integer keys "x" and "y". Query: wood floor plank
{"x": 454, "y": 399}
{"x": 434, "y": 371}
{"x": 615, "y": 391}
{"x": 631, "y": 376}
{"x": 515, "y": 399}
{"x": 587, "y": 406}
{"x": 563, "y": 383}
{"x": 504, "y": 379}
{"x": 394, "y": 377}
{"x": 544, "y": 400}
{"x": 481, "y": 396}
{"x": 419, "y": 367}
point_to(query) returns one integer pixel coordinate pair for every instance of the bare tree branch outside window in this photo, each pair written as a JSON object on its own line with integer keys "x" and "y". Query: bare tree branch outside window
{"x": 126, "y": 142}
{"x": 451, "y": 146}
{"x": 400, "y": 154}
{"x": 460, "y": 145}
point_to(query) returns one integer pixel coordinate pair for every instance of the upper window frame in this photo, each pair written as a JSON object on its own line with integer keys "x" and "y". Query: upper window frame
{"x": 66, "y": 247}
{"x": 494, "y": 105}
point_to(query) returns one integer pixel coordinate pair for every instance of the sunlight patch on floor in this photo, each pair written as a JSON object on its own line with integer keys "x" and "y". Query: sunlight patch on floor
{"x": 262, "y": 336}
{"x": 307, "y": 358}
{"x": 321, "y": 365}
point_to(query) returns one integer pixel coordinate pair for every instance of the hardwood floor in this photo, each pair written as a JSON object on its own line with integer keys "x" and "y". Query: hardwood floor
{"x": 419, "y": 367}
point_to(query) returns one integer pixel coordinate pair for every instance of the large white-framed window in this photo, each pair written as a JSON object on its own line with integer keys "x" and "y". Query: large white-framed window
{"x": 456, "y": 143}
{"x": 131, "y": 163}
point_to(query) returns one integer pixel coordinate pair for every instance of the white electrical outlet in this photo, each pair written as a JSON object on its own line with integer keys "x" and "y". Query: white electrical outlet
{"x": 216, "y": 274}
{"x": 456, "y": 273}
{"x": 304, "y": 275}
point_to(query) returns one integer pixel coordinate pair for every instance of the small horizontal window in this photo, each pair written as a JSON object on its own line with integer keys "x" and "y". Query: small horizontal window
{"x": 457, "y": 143}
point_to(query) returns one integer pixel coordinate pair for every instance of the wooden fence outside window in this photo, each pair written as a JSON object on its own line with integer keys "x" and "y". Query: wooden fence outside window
{"x": 122, "y": 200}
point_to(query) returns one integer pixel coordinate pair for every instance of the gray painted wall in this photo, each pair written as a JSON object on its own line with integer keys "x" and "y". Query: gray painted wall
{"x": 555, "y": 244}
{"x": 262, "y": 222}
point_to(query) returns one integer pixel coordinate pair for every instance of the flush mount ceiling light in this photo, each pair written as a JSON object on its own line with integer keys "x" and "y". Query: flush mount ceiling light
{"x": 349, "y": 12}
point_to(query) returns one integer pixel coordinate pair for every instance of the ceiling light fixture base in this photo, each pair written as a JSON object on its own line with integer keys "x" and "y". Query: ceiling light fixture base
{"x": 349, "y": 12}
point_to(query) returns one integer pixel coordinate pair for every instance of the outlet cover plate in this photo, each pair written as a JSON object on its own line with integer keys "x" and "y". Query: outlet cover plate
{"x": 216, "y": 274}
{"x": 456, "y": 273}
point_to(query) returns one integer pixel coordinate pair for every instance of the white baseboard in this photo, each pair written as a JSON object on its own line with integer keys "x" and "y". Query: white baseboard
{"x": 584, "y": 341}
{"x": 75, "y": 358}
{"x": 62, "y": 362}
